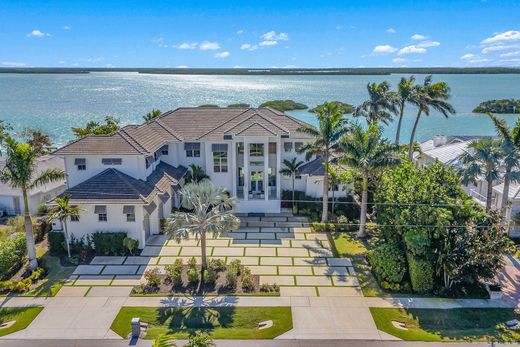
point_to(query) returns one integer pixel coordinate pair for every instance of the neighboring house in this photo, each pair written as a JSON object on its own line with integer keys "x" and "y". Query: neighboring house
{"x": 310, "y": 180}
{"x": 11, "y": 200}
{"x": 128, "y": 181}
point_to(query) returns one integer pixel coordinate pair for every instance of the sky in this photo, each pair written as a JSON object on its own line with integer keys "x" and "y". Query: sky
{"x": 155, "y": 33}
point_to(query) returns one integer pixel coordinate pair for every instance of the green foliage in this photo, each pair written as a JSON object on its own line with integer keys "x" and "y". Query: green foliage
{"x": 421, "y": 274}
{"x": 239, "y": 105}
{"x": 235, "y": 265}
{"x": 12, "y": 253}
{"x": 348, "y": 108}
{"x": 192, "y": 263}
{"x": 208, "y": 106}
{"x": 163, "y": 341}
{"x": 216, "y": 264}
{"x": 109, "y": 243}
{"x": 498, "y": 106}
{"x": 195, "y": 174}
{"x": 152, "y": 277}
{"x": 247, "y": 280}
{"x": 23, "y": 285}
{"x": 269, "y": 288}
{"x": 200, "y": 339}
{"x": 154, "y": 113}
{"x": 174, "y": 272}
{"x": 110, "y": 126}
{"x": 284, "y": 105}
{"x": 323, "y": 227}
{"x": 389, "y": 265}
{"x": 130, "y": 244}
{"x": 193, "y": 276}
{"x": 210, "y": 277}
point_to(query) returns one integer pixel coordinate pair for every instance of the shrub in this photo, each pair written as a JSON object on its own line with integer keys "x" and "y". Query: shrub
{"x": 22, "y": 286}
{"x": 193, "y": 275}
{"x": 269, "y": 288}
{"x": 421, "y": 274}
{"x": 247, "y": 280}
{"x": 192, "y": 263}
{"x": 216, "y": 264}
{"x": 174, "y": 272}
{"x": 109, "y": 243}
{"x": 231, "y": 278}
{"x": 200, "y": 339}
{"x": 235, "y": 266}
{"x": 130, "y": 244}
{"x": 152, "y": 277}
{"x": 210, "y": 277}
{"x": 323, "y": 227}
{"x": 42, "y": 209}
{"x": 57, "y": 243}
{"x": 12, "y": 252}
{"x": 389, "y": 265}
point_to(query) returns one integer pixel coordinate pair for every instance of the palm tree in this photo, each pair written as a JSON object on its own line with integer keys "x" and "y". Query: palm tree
{"x": 195, "y": 174}
{"x": 332, "y": 126}
{"x": 152, "y": 115}
{"x": 210, "y": 212}
{"x": 63, "y": 211}
{"x": 426, "y": 97}
{"x": 510, "y": 146}
{"x": 482, "y": 159}
{"x": 291, "y": 169}
{"x": 379, "y": 106}
{"x": 403, "y": 96}
{"x": 366, "y": 152}
{"x": 335, "y": 178}
{"x": 20, "y": 173}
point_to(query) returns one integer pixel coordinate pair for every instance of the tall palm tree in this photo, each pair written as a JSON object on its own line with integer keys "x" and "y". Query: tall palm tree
{"x": 325, "y": 143}
{"x": 366, "y": 152}
{"x": 429, "y": 96}
{"x": 63, "y": 211}
{"x": 403, "y": 95}
{"x": 380, "y": 106}
{"x": 510, "y": 147}
{"x": 291, "y": 168}
{"x": 482, "y": 159}
{"x": 152, "y": 115}
{"x": 20, "y": 173}
{"x": 210, "y": 212}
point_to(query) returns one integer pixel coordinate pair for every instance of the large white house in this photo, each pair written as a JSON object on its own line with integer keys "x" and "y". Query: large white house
{"x": 128, "y": 181}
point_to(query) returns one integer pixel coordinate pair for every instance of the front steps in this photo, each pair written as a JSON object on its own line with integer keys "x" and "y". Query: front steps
{"x": 273, "y": 221}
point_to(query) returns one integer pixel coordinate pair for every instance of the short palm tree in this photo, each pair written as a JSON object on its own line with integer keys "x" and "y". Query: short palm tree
{"x": 482, "y": 159}
{"x": 291, "y": 168}
{"x": 20, "y": 173}
{"x": 152, "y": 115}
{"x": 325, "y": 142}
{"x": 63, "y": 211}
{"x": 366, "y": 152}
{"x": 195, "y": 174}
{"x": 511, "y": 149}
{"x": 403, "y": 96}
{"x": 426, "y": 97}
{"x": 380, "y": 106}
{"x": 209, "y": 212}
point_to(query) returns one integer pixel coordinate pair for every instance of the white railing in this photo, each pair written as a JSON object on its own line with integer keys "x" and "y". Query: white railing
{"x": 481, "y": 198}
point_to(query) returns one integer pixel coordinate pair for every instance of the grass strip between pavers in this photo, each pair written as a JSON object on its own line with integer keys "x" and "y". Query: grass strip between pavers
{"x": 220, "y": 322}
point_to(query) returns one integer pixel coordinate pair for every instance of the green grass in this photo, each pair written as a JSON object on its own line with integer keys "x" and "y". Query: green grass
{"x": 56, "y": 277}
{"x": 345, "y": 245}
{"x": 22, "y": 316}
{"x": 475, "y": 324}
{"x": 219, "y": 322}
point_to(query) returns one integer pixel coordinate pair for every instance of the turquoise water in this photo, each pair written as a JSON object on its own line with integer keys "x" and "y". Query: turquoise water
{"x": 56, "y": 102}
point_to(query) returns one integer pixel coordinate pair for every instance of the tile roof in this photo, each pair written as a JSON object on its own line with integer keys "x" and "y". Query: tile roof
{"x": 313, "y": 168}
{"x": 188, "y": 124}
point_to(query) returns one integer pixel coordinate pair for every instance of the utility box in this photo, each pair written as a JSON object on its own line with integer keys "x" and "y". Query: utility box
{"x": 136, "y": 327}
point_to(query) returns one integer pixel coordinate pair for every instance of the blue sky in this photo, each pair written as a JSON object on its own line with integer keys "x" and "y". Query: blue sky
{"x": 259, "y": 33}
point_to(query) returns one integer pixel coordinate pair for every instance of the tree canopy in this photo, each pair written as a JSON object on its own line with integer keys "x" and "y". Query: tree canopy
{"x": 284, "y": 105}
{"x": 110, "y": 126}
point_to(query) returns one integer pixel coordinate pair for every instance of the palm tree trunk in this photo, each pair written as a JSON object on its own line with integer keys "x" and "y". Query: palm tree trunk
{"x": 398, "y": 132}
{"x": 489, "y": 194}
{"x": 505, "y": 194}
{"x": 292, "y": 203}
{"x": 29, "y": 235}
{"x": 412, "y": 137}
{"x": 203, "y": 264}
{"x": 332, "y": 210}
{"x": 363, "y": 216}
{"x": 325, "y": 201}
{"x": 66, "y": 236}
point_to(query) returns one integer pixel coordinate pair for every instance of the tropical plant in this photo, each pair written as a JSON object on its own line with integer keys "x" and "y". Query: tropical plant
{"x": 325, "y": 142}
{"x": 62, "y": 212}
{"x": 110, "y": 126}
{"x": 349, "y": 108}
{"x": 403, "y": 96}
{"x": 154, "y": 113}
{"x": 195, "y": 174}
{"x": 200, "y": 339}
{"x": 380, "y": 106}
{"x": 426, "y": 97}
{"x": 210, "y": 212}
{"x": 366, "y": 152}
{"x": 37, "y": 139}
{"x": 164, "y": 341}
{"x": 20, "y": 173}
{"x": 482, "y": 159}
{"x": 511, "y": 149}
{"x": 291, "y": 168}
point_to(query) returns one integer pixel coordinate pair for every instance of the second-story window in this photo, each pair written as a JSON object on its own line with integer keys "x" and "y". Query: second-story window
{"x": 81, "y": 164}
{"x": 220, "y": 157}
{"x": 297, "y": 146}
{"x": 101, "y": 211}
{"x": 287, "y": 147}
{"x": 192, "y": 149}
{"x": 256, "y": 149}
{"x": 129, "y": 211}
{"x": 112, "y": 161}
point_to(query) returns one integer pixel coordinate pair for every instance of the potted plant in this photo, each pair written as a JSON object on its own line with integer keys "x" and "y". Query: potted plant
{"x": 495, "y": 291}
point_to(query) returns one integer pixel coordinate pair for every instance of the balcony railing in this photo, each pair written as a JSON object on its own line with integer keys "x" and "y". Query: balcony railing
{"x": 479, "y": 197}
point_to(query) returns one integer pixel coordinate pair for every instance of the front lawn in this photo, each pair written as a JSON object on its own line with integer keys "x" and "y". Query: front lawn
{"x": 219, "y": 322}
{"x": 55, "y": 278}
{"x": 475, "y": 324}
{"x": 22, "y": 317}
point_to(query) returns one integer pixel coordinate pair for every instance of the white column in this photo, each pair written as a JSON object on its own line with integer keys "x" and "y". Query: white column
{"x": 246, "y": 170}
{"x": 266, "y": 170}
{"x": 234, "y": 169}
{"x": 278, "y": 168}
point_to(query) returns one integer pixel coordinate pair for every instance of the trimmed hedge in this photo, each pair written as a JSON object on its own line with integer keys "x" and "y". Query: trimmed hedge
{"x": 389, "y": 265}
{"x": 421, "y": 274}
{"x": 12, "y": 253}
{"x": 56, "y": 243}
{"x": 110, "y": 243}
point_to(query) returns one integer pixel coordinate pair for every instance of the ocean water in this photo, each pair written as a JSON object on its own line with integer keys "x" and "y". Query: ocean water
{"x": 56, "y": 102}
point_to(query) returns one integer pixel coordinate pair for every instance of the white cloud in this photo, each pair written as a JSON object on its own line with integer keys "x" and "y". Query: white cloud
{"x": 273, "y": 36}
{"x": 496, "y": 48}
{"x": 13, "y": 64}
{"x": 187, "y": 45}
{"x": 473, "y": 58}
{"x": 237, "y": 67}
{"x": 510, "y": 54}
{"x": 268, "y": 43}
{"x": 511, "y": 35}
{"x": 399, "y": 60}
{"x": 209, "y": 46}
{"x": 224, "y": 54}
{"x": 427, "y": 44}
{"x": 391, "y": 30}
{"x": 95, "y": 60}
{"x": 417, "y": 37}
{"x": 66, "y": 27}
{"x": 248, "y": 47}
{"x": 160, "y": 42}
{"x": 182, "y": 66}
{"x": 240, "y": 32}
{"x": 37, "y": 33}
{"x": 412, "y": 49}
{"x": 468, "y": 56}
{"x": 384, "y": 49}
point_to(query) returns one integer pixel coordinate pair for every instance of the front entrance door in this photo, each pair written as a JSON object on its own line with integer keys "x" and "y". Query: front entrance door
{"x": 257, "y": 183}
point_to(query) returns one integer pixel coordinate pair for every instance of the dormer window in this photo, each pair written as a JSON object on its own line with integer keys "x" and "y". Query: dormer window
{"x": 81, "y": 164}
{"x": 192, "y": 149}
{"x": 111, "y": 161}
{"x": 287, "y": 147}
